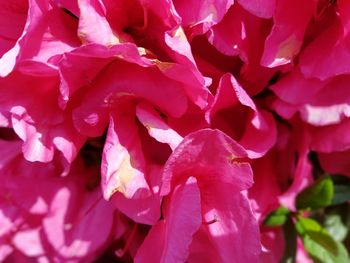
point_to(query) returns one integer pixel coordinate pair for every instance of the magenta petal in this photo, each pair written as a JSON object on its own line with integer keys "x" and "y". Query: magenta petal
{"x": 152, "y": 247}
{"x": 156, "y": 126}
{"x": 48, "y": 32}
{"x": 331, "y": 138}
{"x": 264, "y": 193}
{"x": 335, "y": 162}
{"x": 329, "y": 106}
{"x": 68, "y": 225}
{"x": 122, "y": 160}
{"x": 320, "y": 58}
{"x": 194, "y": 156}
{"x": 259, "y": 132}
{"x": 201, "y": 13}
{"x": 286, "y": 37}
{"x": 35, "y": 146}
{"x": 183, "y": 219}
{"x": 92, "y": 116}
{"x": 296, "y": 89}
{"x": 13, "y": 17}
{"x": 234, "y": 231}
{"x": 93, "y": 25}
{"x": 260, "y": 8}
{"x": 302, "y": 178}
{"x": 32, "y": 237}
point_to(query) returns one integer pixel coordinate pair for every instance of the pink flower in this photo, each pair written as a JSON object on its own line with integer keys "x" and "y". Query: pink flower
{"x": 273, "y": 242}
{"x": 39, "y": 31}
{"x": 247, "y": 41}
{"x": 198, "y": 17}
{"x": 51, "y": 218}
{"x": 322, "y": 104}
{"x": 260, "y": 8}
{"x": 202, "y": 193}
{"x": 137, "y": 112}
{"x": 320, "y": 57}
{"x": 319, "y": 103}
{"x": 235, "y": 113}
{"x": 336, "y": 162}
{"x": 284, "y": 42}
{"x": 29, "y": 104}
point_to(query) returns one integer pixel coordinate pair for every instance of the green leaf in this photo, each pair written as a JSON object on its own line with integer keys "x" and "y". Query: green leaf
{"x": 319, "y": 244}
{"x": 277, "y": 217}
{"x": 341, "y": 189}
{"x": 335, "y": 227}
{"x": 316, "y": 196}
{"x": 337, "y": 221}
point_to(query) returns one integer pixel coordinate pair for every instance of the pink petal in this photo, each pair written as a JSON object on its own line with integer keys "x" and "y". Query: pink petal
{"x": 302, "y": 178}
{"x": 32, "y": 236}
{"x": 93, "y": 25}
{"x": 156, "y": 126}
{"x": 122, "y": 161}
{"x": 287, "y": 35}
{"x": 233, "y": 229}
{"x": 333, "y": 42}
{"x": 39, "y": 40}
{"x": 335, "y": 162}
{"x": 194, "y": 157}
{"x": 259, "y": 134}
{"x": 201, "y": 13}
{"x": 331, "y": 138}
{"x": 92, "y": 116}
{"x": 260, "y": 8}
{"x": 264, "y": 193}
{"x": 182, "y": 220}
{"x": 68, "y": 225}
{"x": 13, "y": 16}
{"x": 296, "y": 89}
{"x": 330, "y": 105}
